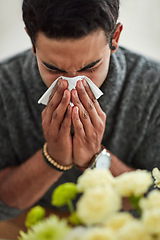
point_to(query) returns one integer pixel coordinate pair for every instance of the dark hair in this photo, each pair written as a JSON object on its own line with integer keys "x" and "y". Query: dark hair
{"x": 69, "y": 18}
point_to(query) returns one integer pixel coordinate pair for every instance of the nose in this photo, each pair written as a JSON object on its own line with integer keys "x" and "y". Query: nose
{"x": 72, "y": 74}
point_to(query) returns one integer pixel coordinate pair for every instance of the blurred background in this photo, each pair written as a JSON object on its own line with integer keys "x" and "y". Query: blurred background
{"x": 140, "y": 18}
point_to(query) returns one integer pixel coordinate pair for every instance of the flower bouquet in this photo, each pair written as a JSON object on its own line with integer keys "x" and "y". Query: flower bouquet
{"x": 99, "y": 213}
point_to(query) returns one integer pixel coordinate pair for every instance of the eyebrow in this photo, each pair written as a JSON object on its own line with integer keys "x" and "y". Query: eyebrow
{"x": 90, "y": 65}
{"x": 52, "y": 67}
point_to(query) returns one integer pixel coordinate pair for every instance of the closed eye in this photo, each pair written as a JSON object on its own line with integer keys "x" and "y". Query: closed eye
{"x": 52, "y": 69}
{"x": 55, "y": 71}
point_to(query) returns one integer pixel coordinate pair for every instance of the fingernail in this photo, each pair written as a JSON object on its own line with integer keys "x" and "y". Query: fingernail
{"x": 64, "y": 94}
{"x": 75, "y": 93}
{"x": 80, "y": 84}
{"x": 84, "y": 82}
{"x": 59, "y": 82}
{"x": 69, "y": 107}
{"x": 77, "y": 109}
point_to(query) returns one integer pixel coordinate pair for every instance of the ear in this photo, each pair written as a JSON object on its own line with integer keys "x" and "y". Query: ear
{"x": 33, "y": 49}
{"x": 116, "y": 37}
{"x": 33, "y": 46}
{"x": 26, "y": 30}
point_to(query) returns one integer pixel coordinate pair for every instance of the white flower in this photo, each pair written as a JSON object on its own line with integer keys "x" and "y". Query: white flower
{"x": 134, "y": 230}
{"x": 156, "y": 175}
{"x": 151, "y": 220}
{"x": 94, "y": 177}
{"x": 99, "y": 233}
{"x": 133, "y": 183}
{"x": 91, "y": 233}
{"x": 97, "y": 204}
{"x": 151, "y": 211}
{"x": 118, "y": 220}
{"x": 49, "y": 229}
{"x": 76, "y": 233}
{"x": 151, "y": 201}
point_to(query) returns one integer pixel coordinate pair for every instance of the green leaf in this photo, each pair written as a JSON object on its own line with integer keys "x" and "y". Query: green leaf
{"x": 63, "y": 194}
{"x": 135, "y": 203}
{"x": 35, "y": 215}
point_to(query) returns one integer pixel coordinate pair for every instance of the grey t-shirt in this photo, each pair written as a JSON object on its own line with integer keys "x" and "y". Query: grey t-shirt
{"x": 131, "y": 102}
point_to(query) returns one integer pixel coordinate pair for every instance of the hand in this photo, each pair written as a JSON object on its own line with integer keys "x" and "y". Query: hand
{"x": 89, "y": 124}
{"x": 56, "y": 124}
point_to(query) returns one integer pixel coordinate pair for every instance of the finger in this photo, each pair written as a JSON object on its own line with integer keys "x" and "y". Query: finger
{"x": 66, "y": 124}
{"x": 45, "y": 120}
{"x": 87, "y": 103}
{"x": 57, "y": 93}
{"x": 92, "y": 97}
{"x": 44, "y": 115}
{"x": 54, "y": 90}
{"x": 78, "y": 126}
{"x": 55, "y": 98}
{"x": 59, "y": 113}
{"x": 83, "y": 114}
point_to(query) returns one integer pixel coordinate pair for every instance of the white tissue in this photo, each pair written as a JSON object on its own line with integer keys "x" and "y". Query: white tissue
{"x": 71, "y": 85}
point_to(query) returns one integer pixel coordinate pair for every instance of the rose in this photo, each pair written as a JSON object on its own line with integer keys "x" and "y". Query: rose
{"x": 156, "y": 175}
{"x": 94, "y": 177}
{"x": 91, "y": 233}
{"x": 133, "y": 230}
{"x": 97, "y": 204}
{"x": 118, "y": 220}
{"x": 151, "y": 201}
{"x": 151, "y": 220}
{"x": 134, "y": 183}
{"x": 99, "y": 233}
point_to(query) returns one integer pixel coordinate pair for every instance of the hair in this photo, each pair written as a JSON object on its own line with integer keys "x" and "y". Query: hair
{"x": 70, "y": 19}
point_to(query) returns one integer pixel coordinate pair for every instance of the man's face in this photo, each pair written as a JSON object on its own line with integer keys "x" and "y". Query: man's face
{"x": 87, "y": 56}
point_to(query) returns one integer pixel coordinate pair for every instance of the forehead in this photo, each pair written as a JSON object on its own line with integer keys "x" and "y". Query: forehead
{"x": 67, "y": 53}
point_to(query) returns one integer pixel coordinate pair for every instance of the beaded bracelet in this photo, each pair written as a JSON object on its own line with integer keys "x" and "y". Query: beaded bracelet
{"x": 51, "y": 162}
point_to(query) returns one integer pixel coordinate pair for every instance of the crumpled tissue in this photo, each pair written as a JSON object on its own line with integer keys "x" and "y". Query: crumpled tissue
{"x": 71, "y": 85}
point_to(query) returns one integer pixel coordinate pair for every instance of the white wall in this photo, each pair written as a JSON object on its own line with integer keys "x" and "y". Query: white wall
{"x": 13, "y": 37}
{"x": 140, "y": 18}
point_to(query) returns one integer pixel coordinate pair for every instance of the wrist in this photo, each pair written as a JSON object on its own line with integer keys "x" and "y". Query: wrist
{"x": 53, "y": 163}
{"x": 91, "y": 162}
{"x": 118, "y": 167}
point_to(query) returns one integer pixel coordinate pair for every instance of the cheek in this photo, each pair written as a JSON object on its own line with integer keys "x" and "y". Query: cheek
{"x": 102, "y": 74}
{"x": 98, "y": 76}
{"x": 47, "y": 77}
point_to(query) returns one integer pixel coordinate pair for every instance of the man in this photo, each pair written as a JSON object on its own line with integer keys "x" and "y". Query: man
{"x": 72, "y": 38}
